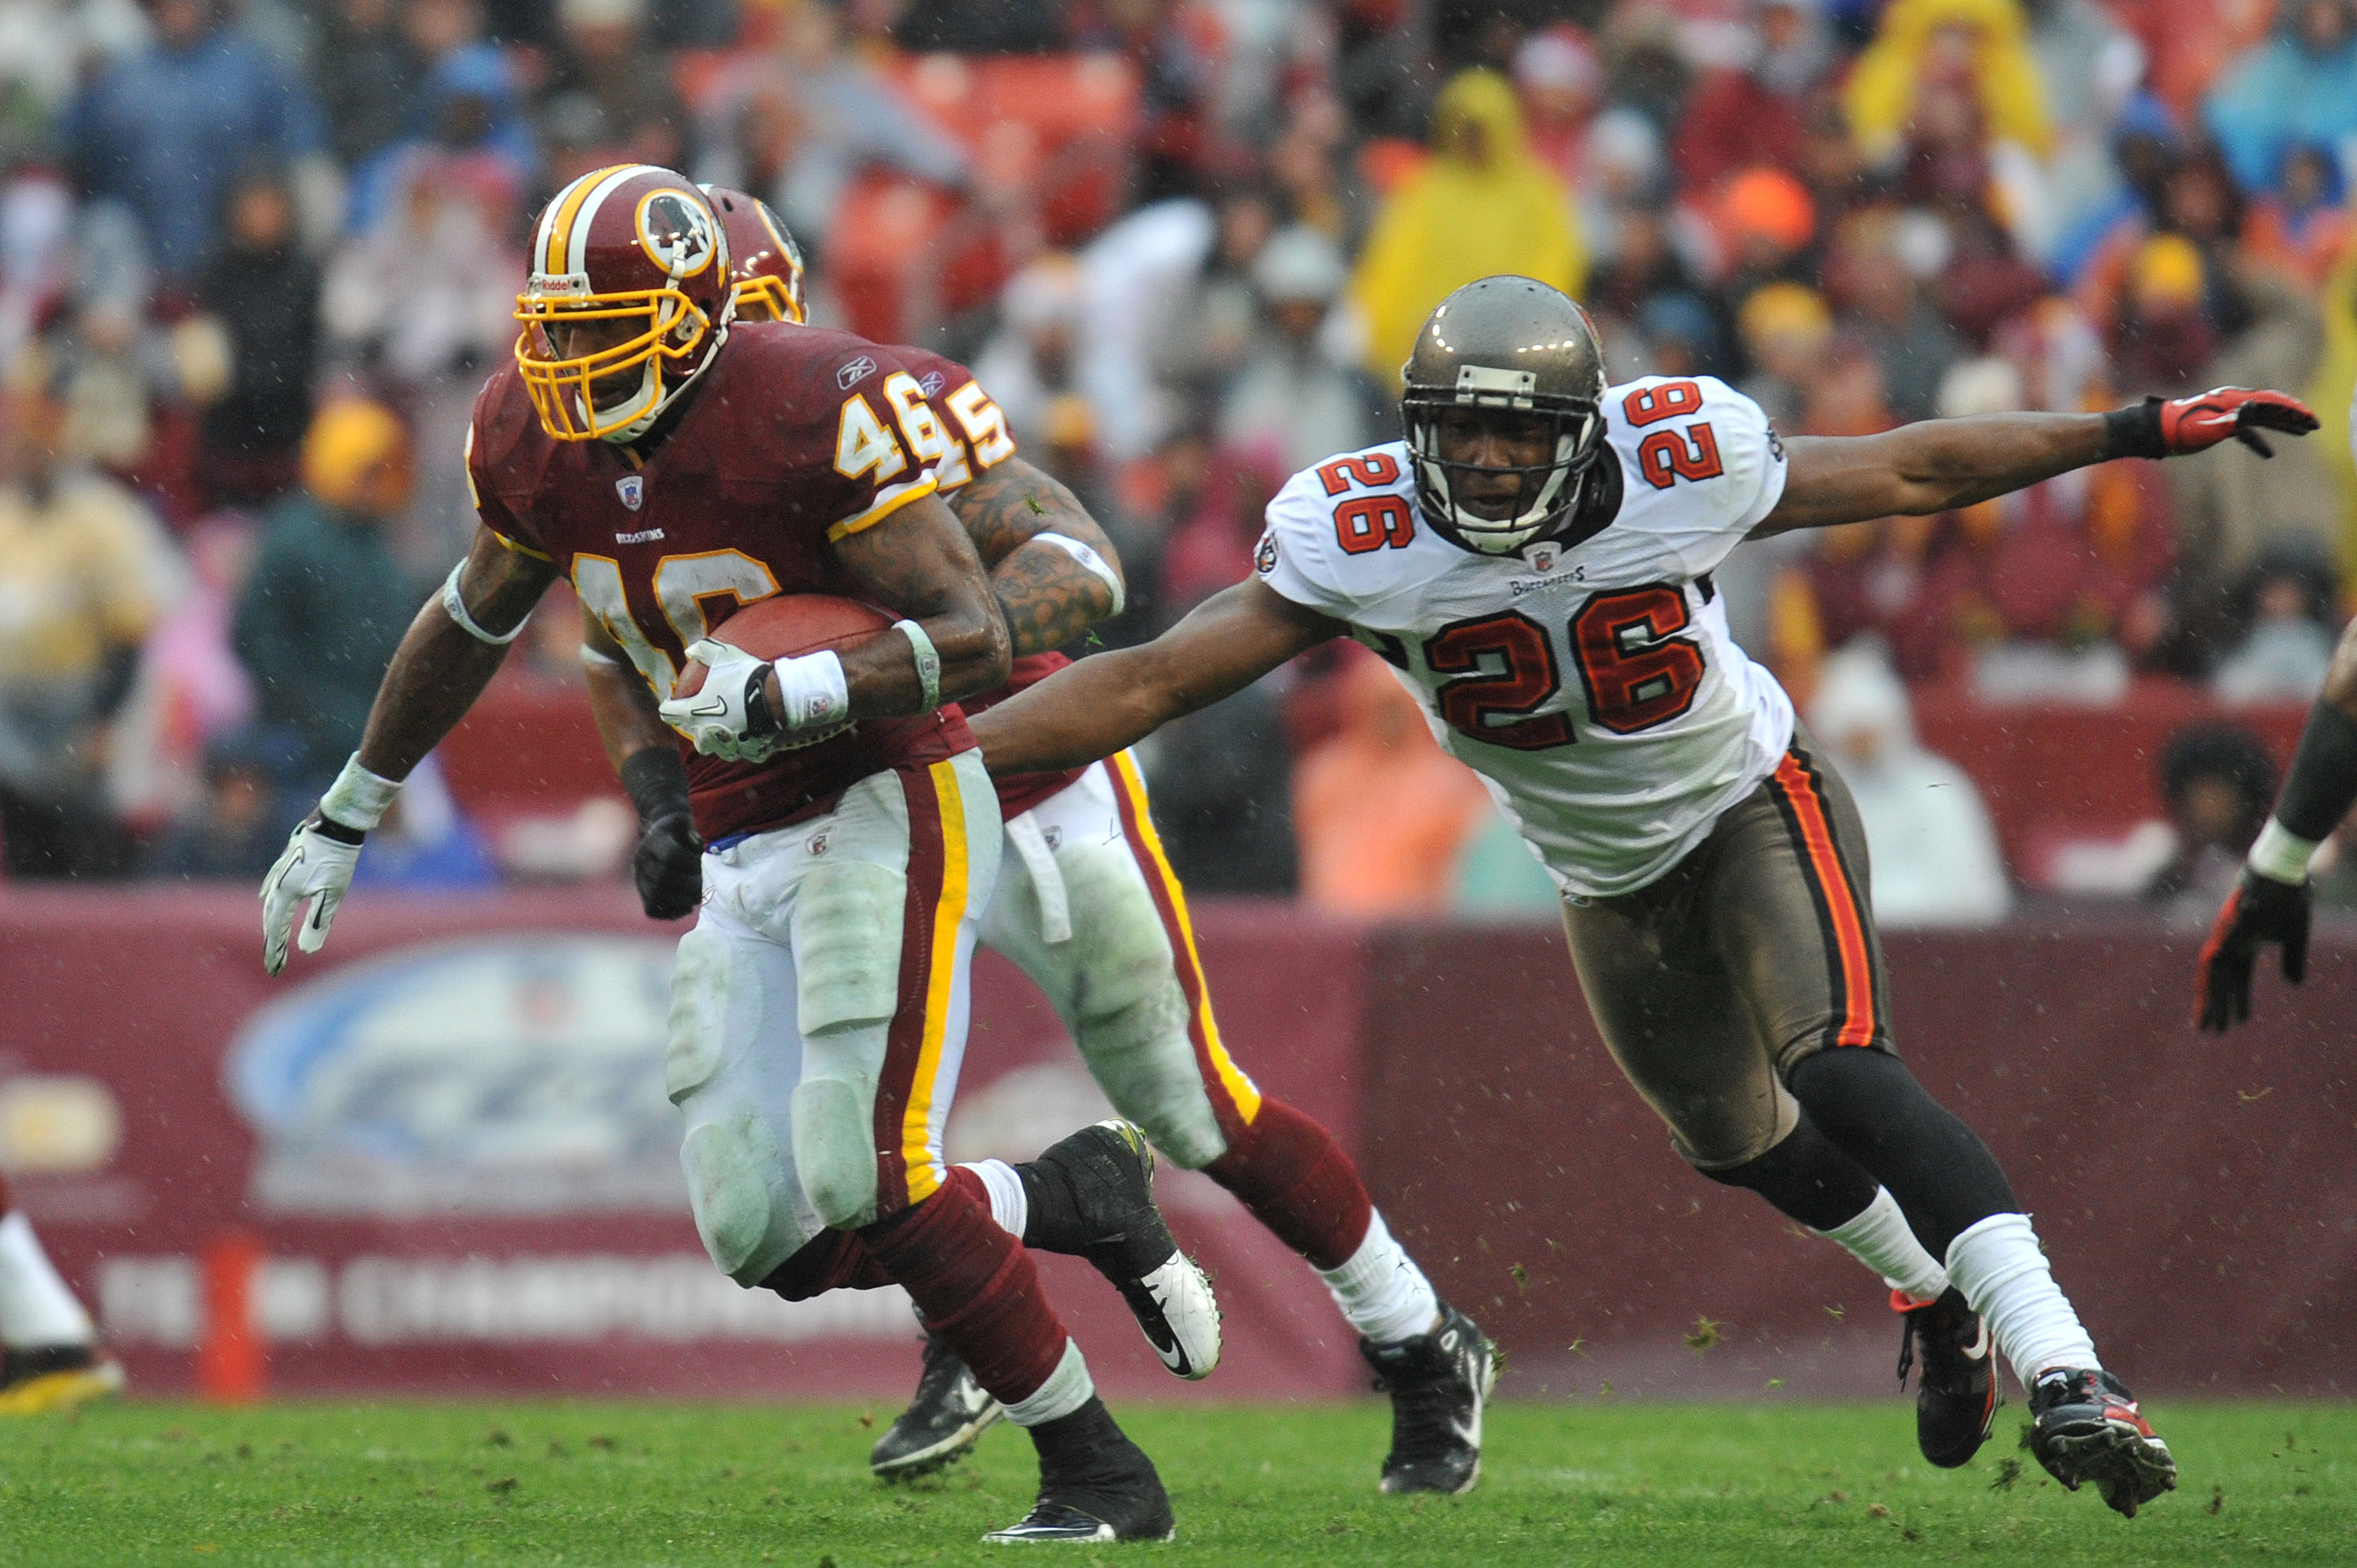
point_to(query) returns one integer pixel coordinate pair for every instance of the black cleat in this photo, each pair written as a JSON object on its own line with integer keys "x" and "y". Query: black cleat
{"x": 1096, "y": 1485}
{"x": 941, "y": 1423}
{"x": 1109, "y": 1170}
{"x": 1955, "y": 1396}
{"x": 2084, "y": 1426}
{"x": 37, "y": 1380}
{"x": 1439, "y": 1383}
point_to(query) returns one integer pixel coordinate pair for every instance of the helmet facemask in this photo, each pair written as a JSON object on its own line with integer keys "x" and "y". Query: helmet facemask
{"x": 563, "y": 387}
{"x": 1545, "y": 493}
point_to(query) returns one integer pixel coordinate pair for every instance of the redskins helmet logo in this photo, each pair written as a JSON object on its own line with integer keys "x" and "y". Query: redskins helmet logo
{"x": 676, "y": 233}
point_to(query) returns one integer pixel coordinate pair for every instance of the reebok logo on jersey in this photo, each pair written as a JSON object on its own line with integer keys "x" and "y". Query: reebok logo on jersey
{"x": 852, "y": 374}
{"x": 933, "y": 383}
{"x": 633, "y": 488}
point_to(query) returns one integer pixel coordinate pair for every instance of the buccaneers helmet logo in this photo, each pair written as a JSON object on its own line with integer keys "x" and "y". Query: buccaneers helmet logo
{"x": 676, "y": 232}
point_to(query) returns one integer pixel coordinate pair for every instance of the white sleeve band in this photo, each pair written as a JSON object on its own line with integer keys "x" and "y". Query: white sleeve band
{"x": 592, "y": 656}
{"x": 456, "y": 608}
{"x": 929, "y": 662}
{"x": 2281, "y": 854}
{"x": 359, "y": 799}
{"x": 1099, "y": 567}
{"x": 813, "y": 689}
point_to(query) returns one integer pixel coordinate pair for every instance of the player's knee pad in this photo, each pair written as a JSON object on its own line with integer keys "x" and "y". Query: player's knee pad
{"x": 846, "y": 935}
{"x": 739, "y": 1188}
{"x": 835, "y": 1148}
{"x": 1130, "y": 1015}
{"x": 699, "y": 1004}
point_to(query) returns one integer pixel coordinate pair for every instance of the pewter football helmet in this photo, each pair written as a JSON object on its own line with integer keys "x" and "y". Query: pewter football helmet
{"x": 1515, "y": 344}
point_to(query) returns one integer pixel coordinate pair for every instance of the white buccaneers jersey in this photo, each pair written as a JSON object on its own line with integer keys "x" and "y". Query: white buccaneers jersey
{"x": 1593, "y": 685}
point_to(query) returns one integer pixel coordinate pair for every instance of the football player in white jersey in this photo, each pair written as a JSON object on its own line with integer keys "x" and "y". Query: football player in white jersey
{"x": 1535, "y": 561}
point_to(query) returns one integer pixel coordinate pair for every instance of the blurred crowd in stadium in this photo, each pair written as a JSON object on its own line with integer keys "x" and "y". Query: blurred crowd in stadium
{"x": 256, "y": 258}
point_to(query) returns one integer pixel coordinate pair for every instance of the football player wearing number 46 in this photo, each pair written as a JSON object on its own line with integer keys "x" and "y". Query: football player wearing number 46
{"x": 667, "y": 458}
{"x": 1088, "y": 907}
{"x": 1535, "y": 561}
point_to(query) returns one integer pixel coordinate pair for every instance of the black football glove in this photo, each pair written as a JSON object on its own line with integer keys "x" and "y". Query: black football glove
{"x": 2261, "y": 910}
{"x": 668, "y": 867}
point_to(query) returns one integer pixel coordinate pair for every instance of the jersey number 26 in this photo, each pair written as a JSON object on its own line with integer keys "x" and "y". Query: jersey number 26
{"x": 1636, "y": 671}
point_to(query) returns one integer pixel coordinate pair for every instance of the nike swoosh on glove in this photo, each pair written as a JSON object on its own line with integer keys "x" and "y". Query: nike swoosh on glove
{"x": 2198, "y": 422}
{"x": 728, "y": 717}
{"x": 316, "y": 867}
{"x": 2258, "y": 912}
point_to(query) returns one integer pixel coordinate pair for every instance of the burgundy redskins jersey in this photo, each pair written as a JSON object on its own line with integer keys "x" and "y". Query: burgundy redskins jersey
{"x": 980, "y": 439}
{"x": 795, "y": 438}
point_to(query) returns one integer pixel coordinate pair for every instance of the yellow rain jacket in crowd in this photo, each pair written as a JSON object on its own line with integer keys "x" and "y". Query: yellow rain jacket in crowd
{"x": 1882, "y": 90}
{"x": 1461, "y": 218}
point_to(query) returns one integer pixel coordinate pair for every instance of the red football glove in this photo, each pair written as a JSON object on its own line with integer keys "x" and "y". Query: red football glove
{"x": 2198, "y": 422}
{"x": 2259, "y": 912}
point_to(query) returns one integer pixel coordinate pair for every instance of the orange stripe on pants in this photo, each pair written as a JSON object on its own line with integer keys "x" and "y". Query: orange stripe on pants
{"x": 1800, "y": 789}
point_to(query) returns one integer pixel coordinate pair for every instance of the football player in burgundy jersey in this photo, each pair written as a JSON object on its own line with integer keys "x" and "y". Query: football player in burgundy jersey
{"x": 668, "y": 461}
{"x": 1088, "y": 906}
{"x": 1535, "y": 562}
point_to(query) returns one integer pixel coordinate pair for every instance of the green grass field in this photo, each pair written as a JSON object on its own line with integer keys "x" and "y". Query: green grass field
{"x": 1660, "y": 1485}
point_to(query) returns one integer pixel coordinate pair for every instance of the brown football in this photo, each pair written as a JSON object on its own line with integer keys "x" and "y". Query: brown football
{"x": 786, "y": 624}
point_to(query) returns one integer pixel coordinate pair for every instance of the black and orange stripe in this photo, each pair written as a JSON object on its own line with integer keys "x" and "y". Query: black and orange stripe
{"x": 1851, "y": 974}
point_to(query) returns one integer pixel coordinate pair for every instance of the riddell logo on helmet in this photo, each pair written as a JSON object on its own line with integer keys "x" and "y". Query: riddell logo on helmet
{"x": 676, "y": 233}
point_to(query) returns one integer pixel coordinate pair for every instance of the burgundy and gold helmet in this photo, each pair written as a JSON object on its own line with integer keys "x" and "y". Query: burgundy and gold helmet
{"x": 768, "y": 265}
{"x": 634, "y": 246}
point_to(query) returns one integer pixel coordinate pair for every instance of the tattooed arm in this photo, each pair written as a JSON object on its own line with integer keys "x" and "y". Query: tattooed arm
{"x": 1047, "y": 592}
{"x": 919, "y": 563}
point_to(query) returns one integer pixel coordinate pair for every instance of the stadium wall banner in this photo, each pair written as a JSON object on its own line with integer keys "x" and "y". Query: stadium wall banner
{"x": 2197, "y": 1195}
{"x": 444, "y": 1144}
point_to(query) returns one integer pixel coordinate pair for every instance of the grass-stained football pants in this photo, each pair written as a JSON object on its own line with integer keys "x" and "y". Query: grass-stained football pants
{"x": 1754, "y": 952}
{"x": 818, "y": 1012}
{"x": 1088, "y": 907}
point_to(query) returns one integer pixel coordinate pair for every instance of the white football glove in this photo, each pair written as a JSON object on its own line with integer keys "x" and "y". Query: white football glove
{"x": 315, "y": 868}
{"x": 726, "y": 716}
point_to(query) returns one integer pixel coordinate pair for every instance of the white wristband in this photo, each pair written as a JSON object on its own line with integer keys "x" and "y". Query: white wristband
{"x": 456, "y": 608}
{"x": 359, "y": 799}
{"x": 1097, "y": 564}
{"x": 928, "y": 663}
{"x": 813, "y": 689}
{"x": 2280, "y": 854}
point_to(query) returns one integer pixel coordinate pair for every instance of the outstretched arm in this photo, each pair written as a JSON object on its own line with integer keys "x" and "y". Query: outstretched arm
{"x": 1108, "y": 700}
{"x": 446, "y": 659}
{"x": 440, "y": 667}
{"x": 2271, "y": 902}
{"x": 1940, "y": 464}
{"x": 1049, "y": 589}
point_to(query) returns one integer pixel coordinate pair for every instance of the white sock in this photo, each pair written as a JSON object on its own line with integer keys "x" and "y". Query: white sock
{"x": 1881, "y": 1238}
{"x": 35, "y": 1308}
{"x": 1068, "y": 1388}
{"x": 2003, "y": 1272}
{"x": 1009, "y": 1204}
{"x": 1380, "y": 1291}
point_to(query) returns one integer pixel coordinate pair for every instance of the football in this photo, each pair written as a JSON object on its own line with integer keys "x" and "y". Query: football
{"x": 786, "y": 624}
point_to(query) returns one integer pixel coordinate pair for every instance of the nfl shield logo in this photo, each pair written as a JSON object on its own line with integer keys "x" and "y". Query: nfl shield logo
{"x": 633, "y": 488}
{"x": 1541, "y": 556}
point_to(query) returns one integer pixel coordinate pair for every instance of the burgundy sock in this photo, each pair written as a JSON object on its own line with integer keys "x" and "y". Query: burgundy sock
{"x": 975, "y": 1286}
{"x": 1296, "y": 1180}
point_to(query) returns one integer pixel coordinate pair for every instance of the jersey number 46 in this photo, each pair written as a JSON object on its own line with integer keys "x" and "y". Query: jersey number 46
{"x": 1636, "y": 671}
